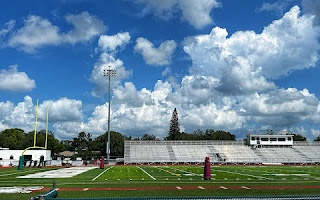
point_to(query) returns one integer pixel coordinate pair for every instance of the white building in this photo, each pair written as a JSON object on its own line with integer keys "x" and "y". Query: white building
{"x": 11, "y": 157}
{"x": 270, "y": 139}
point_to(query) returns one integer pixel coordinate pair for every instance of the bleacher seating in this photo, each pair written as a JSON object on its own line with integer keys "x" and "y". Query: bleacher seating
{"x": 193, "y": 152}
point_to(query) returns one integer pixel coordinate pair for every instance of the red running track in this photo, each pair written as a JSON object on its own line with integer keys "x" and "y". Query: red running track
{"x": 190, "y": 187}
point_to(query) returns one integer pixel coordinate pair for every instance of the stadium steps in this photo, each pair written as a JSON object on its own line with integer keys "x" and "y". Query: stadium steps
{"x": 212, "y": 154}
{"x": 218, "y": 154}
{"x": 171, "y": 153}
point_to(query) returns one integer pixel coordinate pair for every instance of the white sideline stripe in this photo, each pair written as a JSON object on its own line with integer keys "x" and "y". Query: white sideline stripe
{"x": 202, "y": 188}
{"x": 179, "y": 188}
{"x": 223, "y": 188}
{"x": 146, "y": 173}
{"x": 244, "y": 187}
{"x": 101, "y": 173}
{"x": 85, "y": 189}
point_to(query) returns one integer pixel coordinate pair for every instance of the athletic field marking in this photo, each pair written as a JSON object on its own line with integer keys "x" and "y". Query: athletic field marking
{"x": 202, "y": 188}
{"x": 23, "y": 172}
{"x": 190, "y": 188}
{"x": 167, "y": 171}
{"x": 242, "y": 174}
{"x": 191, "y": 173}
{"x": 146, "y": 173}
{"x": 85, "y": 189}
{"x": 244, "y": 187}
{"x": 101, "y": 173}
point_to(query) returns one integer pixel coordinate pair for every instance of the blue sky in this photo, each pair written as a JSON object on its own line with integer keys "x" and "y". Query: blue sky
{"x": 228, "y": 65}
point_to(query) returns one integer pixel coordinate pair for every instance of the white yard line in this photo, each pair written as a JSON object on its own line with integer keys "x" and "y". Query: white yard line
{"x": 146, "y": 173}
{"x": 101, "y": 173}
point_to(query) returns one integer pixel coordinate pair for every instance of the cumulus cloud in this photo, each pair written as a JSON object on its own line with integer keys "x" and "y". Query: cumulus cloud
{"x": 196, "y": 13}
{"x": 62, "y": 110}
{"x": 110, "y": 43}
{"x": 21, "y": 115}
{"x": 13, "y": 80}
{"x": 281, "y": 108}
{"x": 85, "y": 25}
{"x": 37, "y": 32}
{"x": 155, "y": 56}
{"x": 246, "y": 61}
{"x": 101, "y": 81}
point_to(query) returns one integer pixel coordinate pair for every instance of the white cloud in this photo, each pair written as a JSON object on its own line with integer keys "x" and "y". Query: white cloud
{"x": 20, "y": 116}
{"x": 277, "y": 7}
{"x": 281, "y": 108}
{"x": 38, "y": 32}
{"x": 8, "y": 27}
{"x": 100, "y": 80}
{"x": 110, "y": 43}
{"x": 85, "y": 25}
{"x": 246, "y": 60}
{"x": 166, "y": 71}
{"x": 315, "y": 132}
{"x": 155, "y": 56}
{"x": 13, "y": 80}
{"x": 196, "y": 13}
{"x": 62, "y": 110}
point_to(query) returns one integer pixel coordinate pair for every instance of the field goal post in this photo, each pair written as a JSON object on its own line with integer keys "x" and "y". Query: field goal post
{"x": 35, "y": 138}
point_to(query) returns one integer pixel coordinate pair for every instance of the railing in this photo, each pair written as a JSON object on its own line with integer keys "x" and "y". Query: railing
{"x": 185, "y": 142}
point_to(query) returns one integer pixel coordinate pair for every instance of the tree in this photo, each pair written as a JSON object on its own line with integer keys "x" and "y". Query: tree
{"x": 53, "y": 144}
{"x": 149, "y": 137}
{"x": 317, "y": 138}
{"x": 12, "y": 139}
{"x": 298, "y": 137}
{"x": 174, "y": 127}
{"x": 116, "y": 144}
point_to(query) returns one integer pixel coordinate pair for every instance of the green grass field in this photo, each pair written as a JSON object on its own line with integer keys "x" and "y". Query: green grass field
{"x": 177, "y": 180}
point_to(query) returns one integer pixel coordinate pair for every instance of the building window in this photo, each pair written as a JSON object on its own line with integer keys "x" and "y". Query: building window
{"x": 281, "y": 139}
{"x": 273, "y": 139}
{"x": 264, "y": 139}
{"x": 289, "y": 138}
{"x": 11, "y": 157}
{"x": 253, "y": 138}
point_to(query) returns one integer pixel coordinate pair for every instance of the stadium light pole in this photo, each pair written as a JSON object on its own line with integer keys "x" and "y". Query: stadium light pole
{"x": 109, "y": 72}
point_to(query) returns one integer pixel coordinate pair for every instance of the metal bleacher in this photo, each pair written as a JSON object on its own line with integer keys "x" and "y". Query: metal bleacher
{"x": 194, "y": 152}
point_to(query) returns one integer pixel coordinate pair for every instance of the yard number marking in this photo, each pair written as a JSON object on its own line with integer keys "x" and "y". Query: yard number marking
{"x": 168, "y": 171}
